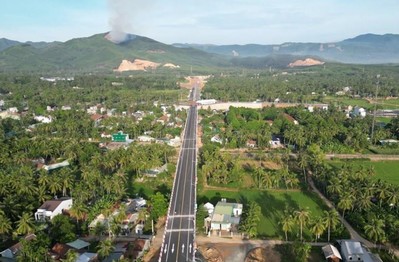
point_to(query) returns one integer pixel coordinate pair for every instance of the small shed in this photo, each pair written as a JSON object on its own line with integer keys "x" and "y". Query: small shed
{"x": 331, "y": 253}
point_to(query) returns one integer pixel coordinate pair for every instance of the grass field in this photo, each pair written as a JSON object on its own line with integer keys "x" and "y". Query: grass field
{"x": 346, "y": 101}
{"x": 385, "y": 170}
{"x": 272, "y": 203}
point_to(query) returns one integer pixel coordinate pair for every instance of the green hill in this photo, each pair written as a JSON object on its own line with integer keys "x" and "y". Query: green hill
{"x": 95, "y": 53}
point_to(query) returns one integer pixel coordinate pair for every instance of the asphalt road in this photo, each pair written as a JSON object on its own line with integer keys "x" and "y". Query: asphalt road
{"x": 178, "y": 242}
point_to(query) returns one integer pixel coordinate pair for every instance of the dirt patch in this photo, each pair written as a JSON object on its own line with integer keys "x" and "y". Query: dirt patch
{"x": 306, "y": 62}
{"x": 263, "y": 254}
{"x": 211, "y": 254}
{"x": 136, "y": 65}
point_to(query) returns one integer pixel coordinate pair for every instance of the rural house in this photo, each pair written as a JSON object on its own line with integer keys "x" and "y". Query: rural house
{"x": 53, "y": 207}
{"x": 226, "y": 216}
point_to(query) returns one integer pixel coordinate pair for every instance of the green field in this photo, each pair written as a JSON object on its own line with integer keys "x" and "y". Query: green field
{"x": 272, "y": 203}
{"x": 385, "y": 170}
{"x": 346, "y": 101}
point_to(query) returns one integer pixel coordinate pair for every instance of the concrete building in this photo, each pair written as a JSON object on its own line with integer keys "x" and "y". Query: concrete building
{"x": 226, "y": 216}
{"x": 53, "y": 207}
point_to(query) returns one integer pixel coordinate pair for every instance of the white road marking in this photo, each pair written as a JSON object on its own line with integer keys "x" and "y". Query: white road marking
{"x": 173, "y": 248}
{"x": 182, "y": 248}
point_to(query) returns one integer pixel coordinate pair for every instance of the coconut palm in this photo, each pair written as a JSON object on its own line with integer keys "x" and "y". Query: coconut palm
{"x": 105, "y": 248}
{"x": 346, "y": 203}
{"x": 331, "y": 220}
{"x": 303, "y": 164}
{"x": 363, "y": 201}
{"x": 78, "y": 211}
{"x": 302, "y": 217}
{"x": 25, "y": 224}
{"x": 287, "y": 224}
{"x": 5, "y": 224}
{"x": 375, "y": 230}
{"x": 393, "y": 197}
{"x": 318, "y": 227}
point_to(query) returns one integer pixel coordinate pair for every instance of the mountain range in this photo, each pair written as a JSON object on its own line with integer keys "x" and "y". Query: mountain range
{"x": 363, "y": 49}
{"x": 97, "y": 53}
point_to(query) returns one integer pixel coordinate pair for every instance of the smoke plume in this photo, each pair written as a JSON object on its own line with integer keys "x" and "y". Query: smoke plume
{"x": 120, "y": 20}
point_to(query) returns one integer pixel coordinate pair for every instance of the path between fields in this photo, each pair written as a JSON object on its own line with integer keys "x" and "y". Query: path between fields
{"x": 372, "y": 157}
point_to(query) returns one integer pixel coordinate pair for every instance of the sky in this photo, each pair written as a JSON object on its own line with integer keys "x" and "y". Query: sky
{"x": 200, "y": 21}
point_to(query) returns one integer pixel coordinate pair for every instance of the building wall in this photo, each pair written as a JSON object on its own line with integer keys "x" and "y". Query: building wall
{"x": 218, "y": 226}
{"x": 66, "y": 204}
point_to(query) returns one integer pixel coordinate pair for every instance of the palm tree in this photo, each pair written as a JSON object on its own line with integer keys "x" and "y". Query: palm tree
{"x": 78, "y": 211}
{"x": 25, "y": 224}
{"x": 303, "y": 164}
{"x": 5, "y": 224}
{"x": 393, "y": 197}
{"x": 258, "y": 177}
{"x": 318, "y": 227}
{"x": 55, "y": 185}
{"x": 345, "y": 203}
{"x": 382, "y": 192}
{"x": 364, "y": 200}
{"x": 287, "y": 224}
{"x": 105, "y": 248}
{"x": 302, "y": 217}
{"x": 375, "y": 230}
{"x": 331, "y": 220}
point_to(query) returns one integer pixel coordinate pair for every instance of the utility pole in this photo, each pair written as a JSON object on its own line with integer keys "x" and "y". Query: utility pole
{"x": 375, "y": 109}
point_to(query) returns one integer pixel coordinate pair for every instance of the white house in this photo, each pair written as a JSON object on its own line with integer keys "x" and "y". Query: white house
{"x": 359, "y": 111}
{"x": 53, "y": 207}
{"x": 226, "y": 216}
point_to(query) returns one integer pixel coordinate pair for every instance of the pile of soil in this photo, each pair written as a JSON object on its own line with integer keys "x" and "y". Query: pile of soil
{"x": 259, "y": 254}
{"x": 211, "y": 254}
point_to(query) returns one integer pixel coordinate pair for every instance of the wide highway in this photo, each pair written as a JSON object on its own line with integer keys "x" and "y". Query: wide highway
{"x": 178, "y": 241}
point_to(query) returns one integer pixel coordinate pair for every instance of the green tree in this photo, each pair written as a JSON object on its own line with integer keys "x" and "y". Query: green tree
{"x": 5, "y": 224}
{"x": 105, "y": 248}
{"x": 35, "y": 249}
{"x": 318, "y": 227}
{"x": 331, "y": 220}
{"x": 71, "y": 256}
{"x": 202, "y": 213}
{"x": 375, "y": 230}
{"x": 345, "y": 203}
{"x": 301, "y": 251}
{"x": 62, "y": 230}
{"x": 159, "y": 206}
{"x": 302, "y": 217}
{"x": 251, "y": 220}
{"x": 287, "y": 224}
{"x": 25, "y": 224}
